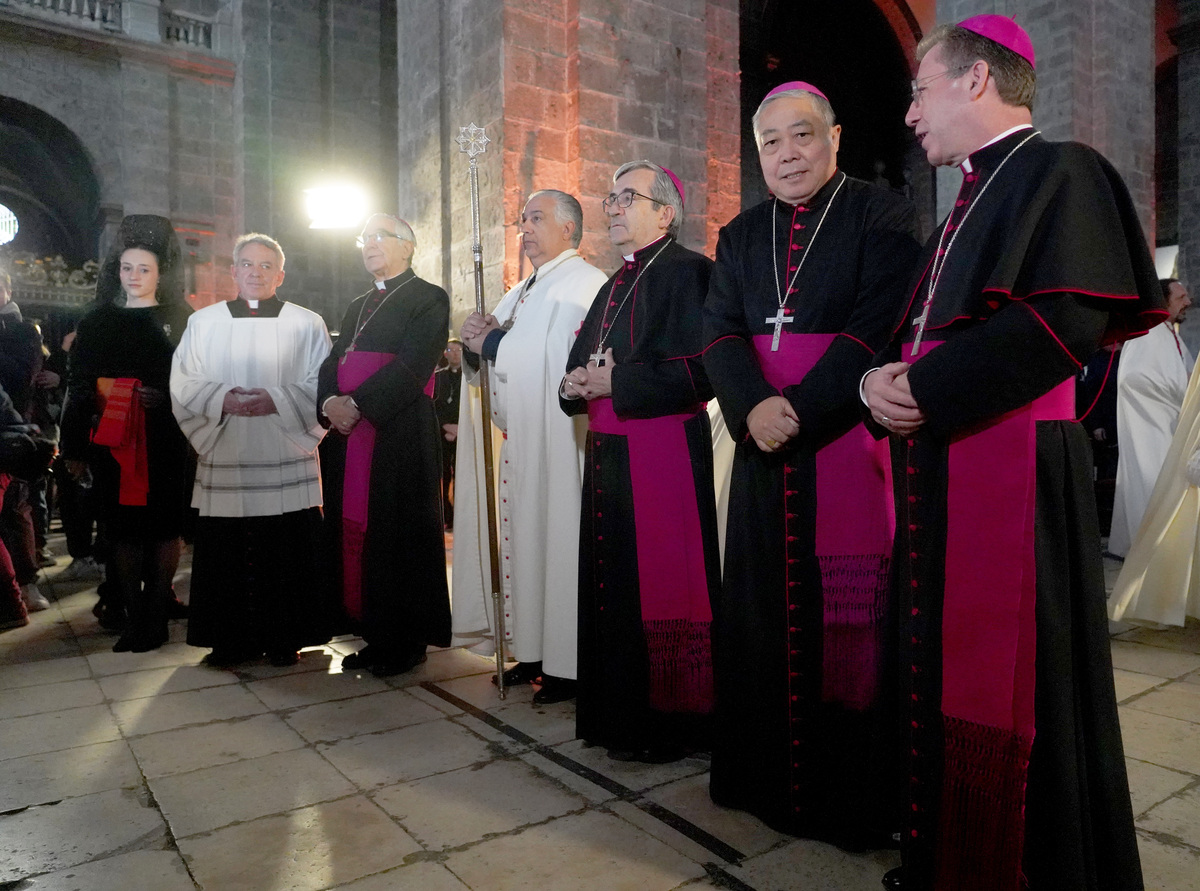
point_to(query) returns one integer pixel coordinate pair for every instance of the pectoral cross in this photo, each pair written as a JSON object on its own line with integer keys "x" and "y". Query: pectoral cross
{"x": 598, "y": 358}
{"x": 779, "y": 320}
{"x": 919, "y": 324}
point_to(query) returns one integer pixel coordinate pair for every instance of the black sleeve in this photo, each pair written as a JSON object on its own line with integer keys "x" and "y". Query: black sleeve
{"x": 1022, "y": 352}
{"x": 670, "y": 378}
{"x": 419, "y": 347}
{"x": 80, "y": 406}
{"x": 730, "y": 361}
{"x": 582, "y": 347}
{"x": 827, "y": 400}
{"x": 327, "y": 377}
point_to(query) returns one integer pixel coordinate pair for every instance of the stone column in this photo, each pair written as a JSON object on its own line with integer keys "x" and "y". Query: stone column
{"x": 1187, "y": 37}
{"x": 1095, "y": 74}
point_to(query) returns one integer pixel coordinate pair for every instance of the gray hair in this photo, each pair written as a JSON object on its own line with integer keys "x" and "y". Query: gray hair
{"x": 1016, "y": 81}
{"x": 566, "y": 210}
{"x": 403, "y": 230}
{"x": 824, "y": 109}
{"x": 258, "y": 238}
{"x": 662, "y": 191}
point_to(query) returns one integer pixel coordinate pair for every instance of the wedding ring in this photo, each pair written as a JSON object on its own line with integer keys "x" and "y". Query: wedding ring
{"x": 772, "y": 443}
{"x": 885, "y": 419}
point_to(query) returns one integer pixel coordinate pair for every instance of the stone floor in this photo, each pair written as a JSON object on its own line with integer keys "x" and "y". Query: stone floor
{"x": 150, "y": 771}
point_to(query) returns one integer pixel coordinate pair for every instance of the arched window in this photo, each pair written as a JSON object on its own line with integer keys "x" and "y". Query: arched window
{"x": 8, "y": 225}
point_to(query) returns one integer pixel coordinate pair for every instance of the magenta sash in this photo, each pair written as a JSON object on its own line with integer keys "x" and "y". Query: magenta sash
{"x": 989, "y": 635}
{"x": 356, "y": 366}
{"x": 673, "y": 582}
{"x": 856, "y": 522}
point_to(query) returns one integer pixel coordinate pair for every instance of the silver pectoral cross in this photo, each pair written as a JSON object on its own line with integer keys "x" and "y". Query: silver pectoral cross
{"x": 598, "y": 358}
{"x": 919, "y": 324}
{"x": 778, "y": 320}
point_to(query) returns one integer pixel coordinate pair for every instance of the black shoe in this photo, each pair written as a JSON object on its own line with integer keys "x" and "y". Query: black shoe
{"x": 223, "y": 658}
{"x": 364, "y": 658}
{"x": 522, "y": 673}
{"x": 283, "y": 659}
{"x": 654, "y": 755}
{"x": 111, "y": 616}
{"x": 389, "y": 667}
{"x": 893, "y": 879}
{"x": 134, "y": 642}
{"x": 176, "y": 609}
{"x": 554, "y": 690}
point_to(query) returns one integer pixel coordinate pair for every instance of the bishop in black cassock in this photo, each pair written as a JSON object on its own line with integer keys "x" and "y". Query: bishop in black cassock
{"x": 1014, "y": 767}
{"x": 648, "y": 555}
{"x": 382, "y": 461}
{"x": 805, "y": 287}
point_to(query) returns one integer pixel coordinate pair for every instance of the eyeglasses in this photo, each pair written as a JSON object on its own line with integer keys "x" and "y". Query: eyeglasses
{"x": 377, "y": 237}
{"x": 918, "y": 89}
{"x": 625, "y": 198}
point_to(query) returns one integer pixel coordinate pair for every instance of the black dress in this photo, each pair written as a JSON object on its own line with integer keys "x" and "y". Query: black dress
{"x": 115, "y": 342}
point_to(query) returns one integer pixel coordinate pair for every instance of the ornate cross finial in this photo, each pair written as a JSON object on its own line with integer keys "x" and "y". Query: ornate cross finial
{"x": 472, "y": 140}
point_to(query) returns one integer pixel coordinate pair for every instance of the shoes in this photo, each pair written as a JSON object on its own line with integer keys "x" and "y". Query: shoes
{"x": 554, "y": 690}
{"x": 134, "y": 642}
{"x": 893, "y": 879}
{"x": 653, "y": 755}
{"x": 176, "y": 609}
{"x": 111, "y": 615}
{"x": 283, "y": 659}
{"x": 389, "y": 667}
{"x": 45, "y": 558}
{"x": 18, "y": 620}
{"x": 34, "y": 599}
{"x": 223, "y": 658}
{"x": 79, "y": 569}
{"x": 364, "y": 658}
{"x": 522, "y": 673}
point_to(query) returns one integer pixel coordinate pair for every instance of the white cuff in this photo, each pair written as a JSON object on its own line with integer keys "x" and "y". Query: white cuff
{"x": 862, "y": 381}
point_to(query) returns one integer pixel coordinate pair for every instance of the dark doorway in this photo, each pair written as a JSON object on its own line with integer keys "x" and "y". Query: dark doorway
{"x": 48, "y": 181}
{"x": 850, "y": 52}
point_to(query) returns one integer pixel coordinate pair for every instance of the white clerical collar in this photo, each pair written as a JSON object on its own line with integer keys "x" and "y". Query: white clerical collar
{"x": 253, "y": 304}
{"x": 629, "y": 257}
{"x": 966, "y": 164}
{"x": 380, "y": 285}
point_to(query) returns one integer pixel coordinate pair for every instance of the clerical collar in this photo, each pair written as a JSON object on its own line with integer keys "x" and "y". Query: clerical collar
{"x": 549, "y": 265}
{"x": 390, "y": 283}
{"x": 967, "y": 166}
{"x": 640, "y": 253}
{"x": 255, "y": 309}
{"x": 818, "y": 198}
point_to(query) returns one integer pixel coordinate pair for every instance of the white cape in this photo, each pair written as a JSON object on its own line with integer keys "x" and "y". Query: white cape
{"x": 539, "y": 480}
{"x": 1151, "y": 381}
{"x": 1160, "y": 581}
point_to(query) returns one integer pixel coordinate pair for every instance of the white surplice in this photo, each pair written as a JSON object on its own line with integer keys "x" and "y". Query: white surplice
{"x": 251, "y": 466}
{"x": 1151, "y": 382}
{"x": 539, "y": 476}
{"x": 1160, "y": 580}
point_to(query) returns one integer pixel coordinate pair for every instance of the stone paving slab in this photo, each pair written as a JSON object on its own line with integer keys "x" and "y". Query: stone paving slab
{"x": 311, "y": 848}
{"x": 596, "y": 851}
{"x": 208, "y": 745}
{"x": 138, "y": 717}
{"x": 1152, "y": 660}
{"x": 53, "y": 837}
{"x": 53, "y": 697}
{"x": 384, "y": 759}
{"x": 1150, "y": 784}
{"x": 166, "y": 656}
{"x": 689, "y": 799}
{"x": 1174, "y": 701}
{"x": 1177, "y": 819}
{"x": 803, "y": 865}
{"x": 417, "y": 877}
{"x": 1168, "y": 742}
{"x": 52, "y": 731}
{"x": 67, "y": 773}
{"x": 1168, "y": 867}
{"x": 1131, "y": 683}
{"x": 463, "y": 806}
{"x": 161, "y": 681}
{"x": 389, "y": 710}
{"x": 135, "y": 871}
{"x": 38, "y": 672}
{"x": 312, "y": 687}
{"x": 204, "y": 800}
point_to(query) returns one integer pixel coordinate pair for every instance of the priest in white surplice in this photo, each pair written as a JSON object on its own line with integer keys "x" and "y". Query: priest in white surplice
{"x": 243, "y": 388}
{"x": 539, "y": 469}
{"x": 1151, "y": 382}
